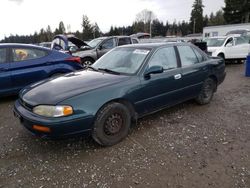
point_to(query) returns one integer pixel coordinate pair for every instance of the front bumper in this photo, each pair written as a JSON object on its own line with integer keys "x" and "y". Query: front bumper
{"x": 60, "y": 127}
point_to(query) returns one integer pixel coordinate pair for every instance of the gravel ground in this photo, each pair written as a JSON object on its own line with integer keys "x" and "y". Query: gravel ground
{"x": 184, "y": 146}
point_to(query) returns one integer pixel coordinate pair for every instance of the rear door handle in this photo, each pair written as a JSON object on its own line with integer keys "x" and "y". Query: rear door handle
{"x": 48, "y": 63}
{"x": 3, "y": 69}
{"x": 177, "y": 76}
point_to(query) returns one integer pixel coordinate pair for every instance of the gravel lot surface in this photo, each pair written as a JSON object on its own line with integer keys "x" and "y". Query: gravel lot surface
{"x": 184, "y": 146}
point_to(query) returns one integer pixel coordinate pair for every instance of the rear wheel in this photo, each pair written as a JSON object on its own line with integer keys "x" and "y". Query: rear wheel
{"x": 207, "y": 91}
{"x": 87, "y": 61}
{"x": 112, "y": 124}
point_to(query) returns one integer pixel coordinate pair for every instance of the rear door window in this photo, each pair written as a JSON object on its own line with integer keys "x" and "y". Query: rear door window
{"x": 198, "y": 54}
{"x": 164, "y": 57}
{"x": 23, "y": 54}
{"x": 3, "y": 55}
{"x": 124, "y": 41}
{"x": 135, "y": 41}
{"x": 240, "y": 40}
{"x": 109, "y": 44}
{"x": 187, "y": 56}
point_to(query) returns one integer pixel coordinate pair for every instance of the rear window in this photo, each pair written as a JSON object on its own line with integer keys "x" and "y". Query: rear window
{"x": 23, "y": 54}
{"x": 3, "y": 55}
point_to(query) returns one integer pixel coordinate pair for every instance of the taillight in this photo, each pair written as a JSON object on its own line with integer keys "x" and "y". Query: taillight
{"x": 74, "y": 59}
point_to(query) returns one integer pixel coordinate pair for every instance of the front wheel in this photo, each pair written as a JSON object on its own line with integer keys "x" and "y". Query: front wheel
{"x": 222, "y": 56}
{"x": 207, "y": 92}
{"x": 87, "y": 61}
{"x": 112, "y": 124}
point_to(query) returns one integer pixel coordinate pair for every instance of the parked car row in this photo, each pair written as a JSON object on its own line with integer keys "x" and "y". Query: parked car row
{"x": 21, "y": 65}
{"x": 111, "y": 91}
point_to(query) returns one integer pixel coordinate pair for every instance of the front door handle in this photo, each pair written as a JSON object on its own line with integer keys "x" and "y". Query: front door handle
{"x": 177, "y": 76}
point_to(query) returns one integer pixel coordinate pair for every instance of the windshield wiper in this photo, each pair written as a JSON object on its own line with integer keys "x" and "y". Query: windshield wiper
{"x": 109, "y": 71}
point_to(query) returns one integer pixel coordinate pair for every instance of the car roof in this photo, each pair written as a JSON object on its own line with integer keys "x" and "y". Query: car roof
{"x": 155, "y": 45}
{"x": 22, "y": 45}
{"x": 116, "y": 36}
{"x": 218, "y": 37}
{"x": 224, "y": 37}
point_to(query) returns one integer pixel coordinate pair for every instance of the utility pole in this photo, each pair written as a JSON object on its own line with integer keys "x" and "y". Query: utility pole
{"x": 194, "y": 26}
{"x": 150, "y": 25}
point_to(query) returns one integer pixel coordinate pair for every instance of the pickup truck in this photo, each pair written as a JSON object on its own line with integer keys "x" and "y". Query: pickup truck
{"x": 234, "y": 47}
{"x": 91, "y": 51}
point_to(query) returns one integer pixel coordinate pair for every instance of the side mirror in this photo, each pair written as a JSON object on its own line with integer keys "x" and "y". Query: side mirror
{"x": 229, "y": 45}
{"x": 153, "y": 70}
{"x": 99, "y": 47}
{"x": 72, "y": 49}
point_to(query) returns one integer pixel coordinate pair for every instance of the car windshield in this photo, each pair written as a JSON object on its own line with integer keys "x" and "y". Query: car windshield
{"x": 93, "y": 43}
{"x": 122, "y": 60}
{"x": 215, "y": 42}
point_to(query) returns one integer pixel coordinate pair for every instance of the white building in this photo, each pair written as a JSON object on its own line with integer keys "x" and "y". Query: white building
{"x": 220, "y": 30}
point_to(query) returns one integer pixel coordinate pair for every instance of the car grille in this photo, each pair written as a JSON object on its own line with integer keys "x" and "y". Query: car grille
{"x": 26, "y": 105}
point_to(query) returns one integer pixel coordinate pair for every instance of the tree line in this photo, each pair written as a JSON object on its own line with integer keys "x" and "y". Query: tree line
{"x": 235, "y": 11}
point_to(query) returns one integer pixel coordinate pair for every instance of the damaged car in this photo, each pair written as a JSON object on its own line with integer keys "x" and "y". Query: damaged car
{"x": 93, "y": 50}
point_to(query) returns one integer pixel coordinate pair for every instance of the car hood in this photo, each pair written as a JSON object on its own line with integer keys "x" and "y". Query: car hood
{"x": 55, "y": 90}
{"x": 76, "y": 41}
{"x": 66, "y": 39}
{"x": 212, "y": 49}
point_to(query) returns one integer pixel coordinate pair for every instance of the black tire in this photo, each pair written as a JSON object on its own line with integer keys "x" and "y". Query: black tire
{"x": 207, "y": 91}
{"x": 239, "y": 61}
{"x": 87, "y": 61}
{"x": 222, "y": 56}
{"x": 112, "y": 124}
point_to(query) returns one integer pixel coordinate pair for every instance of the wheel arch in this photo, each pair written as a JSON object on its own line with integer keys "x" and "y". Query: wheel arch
{"x": 221, "y": 54}
{"x": 88, "y": 57}
{"x": 212, "y": 76}
{"x": 126, "y": 103}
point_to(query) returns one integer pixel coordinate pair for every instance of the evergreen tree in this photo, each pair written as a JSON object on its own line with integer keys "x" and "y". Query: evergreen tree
{"x": 96, "y": 31}
{"x": 217, "y": 19}
{"x": 87, "y": 29}
{"x": 61, "y": 28}
{"x": 246, "y": 11}
{"x": 233, "y": 11}
{"x": 49, "y": 33}
{"x": 196, "y": 20}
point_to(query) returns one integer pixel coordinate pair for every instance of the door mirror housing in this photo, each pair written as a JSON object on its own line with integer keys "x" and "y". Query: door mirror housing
{"x": 100, "y": 47}
{"x": 72, "y": 49}
{"x": 229, "y": 44}
{"x": 153, "y": 70}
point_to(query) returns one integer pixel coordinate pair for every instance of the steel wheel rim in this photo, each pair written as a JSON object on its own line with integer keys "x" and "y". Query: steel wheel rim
{"x": 113, "y": 124}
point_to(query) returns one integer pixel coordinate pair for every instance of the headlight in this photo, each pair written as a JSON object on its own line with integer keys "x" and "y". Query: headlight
{"x": 53, "y": 111}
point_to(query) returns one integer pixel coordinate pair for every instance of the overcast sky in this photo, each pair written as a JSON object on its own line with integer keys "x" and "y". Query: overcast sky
{"x": 27, "y": 16}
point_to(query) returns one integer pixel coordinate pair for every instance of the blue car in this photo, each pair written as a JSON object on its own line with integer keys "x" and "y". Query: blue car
{"x": 21, "y": 65}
